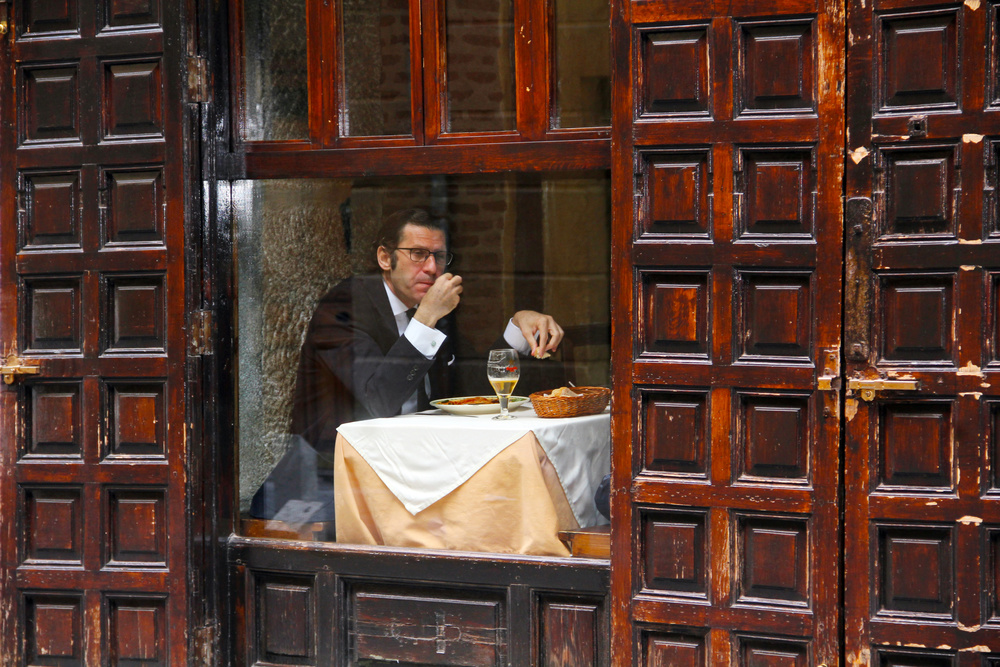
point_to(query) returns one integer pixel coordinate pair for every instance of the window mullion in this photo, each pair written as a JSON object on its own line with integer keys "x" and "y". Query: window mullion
{"x": 532, "y": 67}
{"x": 324, "y": 51}
{"x": 418, "y": 86}
{"x": 434, "y": 64}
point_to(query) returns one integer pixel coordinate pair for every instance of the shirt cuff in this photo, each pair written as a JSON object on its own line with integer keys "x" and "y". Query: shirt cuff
{"x": 515, "y": 338}
{"x": 427, "y": 340}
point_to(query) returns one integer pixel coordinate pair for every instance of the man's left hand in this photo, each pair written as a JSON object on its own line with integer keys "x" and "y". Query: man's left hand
{"x": 541, "y": 331}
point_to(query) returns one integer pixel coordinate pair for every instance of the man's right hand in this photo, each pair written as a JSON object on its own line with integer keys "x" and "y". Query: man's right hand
{"x": 441, "y": 299}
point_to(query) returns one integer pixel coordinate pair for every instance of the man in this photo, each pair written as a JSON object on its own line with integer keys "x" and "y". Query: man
{"x": 382, "y": 345}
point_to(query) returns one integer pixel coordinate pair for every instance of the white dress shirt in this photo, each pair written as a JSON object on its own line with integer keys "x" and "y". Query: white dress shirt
{"x": 428, "y": 340}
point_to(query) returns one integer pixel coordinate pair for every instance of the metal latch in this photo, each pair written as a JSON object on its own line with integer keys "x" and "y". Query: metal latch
{"x": 830, "y": 380}
{"x": 14, "y": 366}
{"x": 868, "y": 387}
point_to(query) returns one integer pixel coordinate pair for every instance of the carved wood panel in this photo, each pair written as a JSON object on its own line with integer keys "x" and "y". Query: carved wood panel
{"x": 95, "y": 566}
{"x": 427, "y": 627}
{"x": 370, "y": 607}
{"x": 727, "y": 142}
{"x": 920, "y": 510}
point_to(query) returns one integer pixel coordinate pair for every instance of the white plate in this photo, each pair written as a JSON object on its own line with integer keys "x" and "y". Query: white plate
{"x": 482, "y": 409}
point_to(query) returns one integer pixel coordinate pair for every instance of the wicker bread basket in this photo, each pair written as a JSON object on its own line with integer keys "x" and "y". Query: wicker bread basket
{"x": 590, "y": 401}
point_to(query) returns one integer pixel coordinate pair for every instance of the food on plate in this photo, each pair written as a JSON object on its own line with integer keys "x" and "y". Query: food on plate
{"x": 469, "y": 400}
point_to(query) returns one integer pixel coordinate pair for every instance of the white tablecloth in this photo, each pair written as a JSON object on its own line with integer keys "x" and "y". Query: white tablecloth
{"x": 423, "y": 457}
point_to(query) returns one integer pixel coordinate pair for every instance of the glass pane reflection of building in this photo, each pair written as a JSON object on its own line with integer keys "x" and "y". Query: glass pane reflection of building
{"x": 535, "y": 242}
{"x": 274, "y": 71}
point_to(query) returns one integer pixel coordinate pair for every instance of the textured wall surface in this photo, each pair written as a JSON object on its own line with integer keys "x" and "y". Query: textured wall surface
{"x": 291, "y": 250}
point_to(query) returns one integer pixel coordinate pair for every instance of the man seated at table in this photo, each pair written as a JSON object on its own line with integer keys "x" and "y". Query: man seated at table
{"x": 384, "y": 344}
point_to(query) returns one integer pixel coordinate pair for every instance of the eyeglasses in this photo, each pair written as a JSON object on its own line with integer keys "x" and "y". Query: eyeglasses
{"x": 420, "y": 255}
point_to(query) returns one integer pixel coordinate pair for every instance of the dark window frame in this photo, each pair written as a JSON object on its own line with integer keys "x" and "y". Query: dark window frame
{"x": 536, "y": 145}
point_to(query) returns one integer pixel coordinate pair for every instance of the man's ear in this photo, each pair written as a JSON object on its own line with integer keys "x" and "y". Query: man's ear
{"x": 384, "y": 258}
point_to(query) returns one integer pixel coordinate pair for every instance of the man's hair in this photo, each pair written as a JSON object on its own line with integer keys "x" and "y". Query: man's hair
{"x": 391, "y": 231}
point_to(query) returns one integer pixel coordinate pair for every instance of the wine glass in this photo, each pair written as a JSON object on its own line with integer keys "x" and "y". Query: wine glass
{"x": 503, "y": 370}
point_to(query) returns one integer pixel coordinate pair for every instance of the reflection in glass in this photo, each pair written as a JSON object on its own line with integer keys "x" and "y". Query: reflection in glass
{"x": 377, "y": 85}
{"x": 583, "y": 63}
{"x": 480, "y": 83}
{"x": 275, "y": 70}
{"x": 521, "y": 241}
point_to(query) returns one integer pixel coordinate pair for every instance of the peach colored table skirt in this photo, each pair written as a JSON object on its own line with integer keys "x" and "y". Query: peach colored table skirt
{"x": 513, "y": 504}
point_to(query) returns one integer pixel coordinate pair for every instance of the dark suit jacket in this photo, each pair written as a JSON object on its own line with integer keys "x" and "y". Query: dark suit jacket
{"x": 354, "y": 364}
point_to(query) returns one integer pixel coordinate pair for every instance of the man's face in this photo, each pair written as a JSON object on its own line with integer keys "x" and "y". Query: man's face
{"x": 407, "y": 279}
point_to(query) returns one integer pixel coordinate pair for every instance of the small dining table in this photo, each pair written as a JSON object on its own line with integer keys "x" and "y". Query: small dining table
{"x": 470, "y": 483}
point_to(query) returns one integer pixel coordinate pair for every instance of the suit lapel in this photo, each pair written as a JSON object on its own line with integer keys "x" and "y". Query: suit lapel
{"x": 373, "y": 296}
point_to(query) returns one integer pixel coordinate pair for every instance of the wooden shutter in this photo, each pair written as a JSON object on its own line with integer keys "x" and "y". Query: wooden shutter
{"x": 922, "y": 519}
{"x": 94, "y": 538}
{"x": 728, "y": 135}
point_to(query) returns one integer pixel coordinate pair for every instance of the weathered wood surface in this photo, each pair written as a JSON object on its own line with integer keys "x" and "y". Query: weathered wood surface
{"x": 95, "y": 542}
{"x": 727, "y": 159}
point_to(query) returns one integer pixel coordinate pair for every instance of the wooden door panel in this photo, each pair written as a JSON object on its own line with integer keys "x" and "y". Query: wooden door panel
{"x": 674, "y": 72}
{"x": 918, "y": 64}
{"x": 675, "y": 429}
{"x": 50, "y": 106}
{"x": 920, "y": 513}
{"x": 729, "y": 225}
{"x": 50, "y": 219}
{"x": 571, "y": 632}
{"x": 775, "y": 68}
{"x": 95, "y": 566}
{"x": 54, "y": 629}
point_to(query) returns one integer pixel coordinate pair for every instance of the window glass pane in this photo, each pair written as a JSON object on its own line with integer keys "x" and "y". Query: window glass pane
{"x": 480, "y": 53}
{"x": 377, "y": 84}
{"x": 275, "y": 70}
{"x": 583, "y": 65}
{"x": 521, "y": 242}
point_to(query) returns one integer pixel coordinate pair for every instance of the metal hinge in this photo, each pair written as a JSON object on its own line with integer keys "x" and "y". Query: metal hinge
{"x": 198, "y": 89}
{"x": 203, "y": 650}
{"x": 201, "y": 333}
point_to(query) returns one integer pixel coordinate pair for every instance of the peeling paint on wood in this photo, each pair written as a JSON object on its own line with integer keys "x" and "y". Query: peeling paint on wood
{"x": 972, "y": 138}
{"x": 969, "y": 520}
{"x": 971, "y": 369}
{"x": 972, "y": 4}
{"x": 859, "y": 154}
{"x": 851, "y": 408}
{"x": 862, "y": 660}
